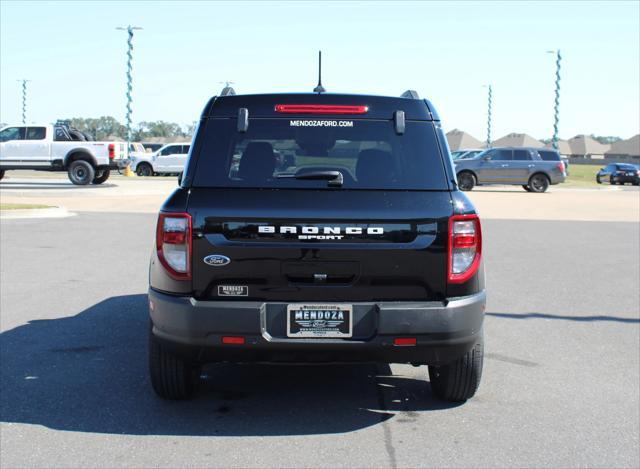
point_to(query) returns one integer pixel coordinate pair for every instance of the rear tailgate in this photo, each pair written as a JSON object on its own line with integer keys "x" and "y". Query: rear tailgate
{"x": 320, "y": 245}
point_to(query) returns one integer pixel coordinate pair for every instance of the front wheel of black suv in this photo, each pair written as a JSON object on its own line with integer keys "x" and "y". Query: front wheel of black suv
{"x": 172, "y": 377}
{"x": 538, "y": 183}
{"x": 459, "y": 381}
{"x": 466, "y": 181}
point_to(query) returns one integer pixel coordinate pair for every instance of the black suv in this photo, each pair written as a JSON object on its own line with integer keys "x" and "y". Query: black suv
{"x": 318, "y": 228}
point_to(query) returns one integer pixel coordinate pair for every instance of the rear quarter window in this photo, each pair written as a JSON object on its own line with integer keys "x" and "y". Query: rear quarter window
{"x": 368, "y": 153}
{"x": 549, "y": 155}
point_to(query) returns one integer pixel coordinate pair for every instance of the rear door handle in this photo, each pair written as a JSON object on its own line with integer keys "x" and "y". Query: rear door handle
{"x": 504, "y": 165}
{"x": 531, "y": 165}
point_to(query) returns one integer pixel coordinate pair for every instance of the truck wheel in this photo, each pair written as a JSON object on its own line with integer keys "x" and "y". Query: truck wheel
{"x": 144, "y": 169}
{"x": 459, "y": 381}
{"x": 172, "y": 377}
{"x": 81, "y": 173}
{"x": 1, "y": 173}
{"x": 102, "y": 176}
{"x": 598, "y": 179}
{"x": 466, "y": 181}
{"x": 538, "y": 183}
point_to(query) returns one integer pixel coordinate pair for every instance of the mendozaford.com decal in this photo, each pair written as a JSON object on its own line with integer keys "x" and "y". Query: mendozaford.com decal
{"x": 320, "y": 123}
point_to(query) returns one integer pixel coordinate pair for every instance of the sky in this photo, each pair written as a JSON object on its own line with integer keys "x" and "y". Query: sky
{"x": 447, "y": 51}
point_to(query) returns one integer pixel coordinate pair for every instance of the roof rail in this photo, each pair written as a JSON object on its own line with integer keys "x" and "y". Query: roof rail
{"x": 410, "y": 94}
{"x": 227, "y": 91}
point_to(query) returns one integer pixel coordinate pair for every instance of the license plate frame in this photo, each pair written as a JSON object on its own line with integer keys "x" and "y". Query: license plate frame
{"x": 321, "y": 321}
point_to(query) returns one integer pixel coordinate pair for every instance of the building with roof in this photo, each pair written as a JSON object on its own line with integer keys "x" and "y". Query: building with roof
{"x": 629, "y": 148}
{"x": 563, "y": 147}
{"x": 459, "y": 139}
{"x": 584, "y": 146}
{"x": 517, "y": 140}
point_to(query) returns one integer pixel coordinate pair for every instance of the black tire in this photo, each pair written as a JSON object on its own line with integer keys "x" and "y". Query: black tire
{"x": 466, "y": 181}
{"x": 172, "y": 377}
{"x": 459, "y": 381}
{"x": 598, "y": 179}
{"x": 102, "y": 176}
{"x": 81, "y": 173}
{"x": 526, "y": 188}
{"x": 1, "y": 173}
{"x": 144, "y": 169}
{"x": 538, "y": 183}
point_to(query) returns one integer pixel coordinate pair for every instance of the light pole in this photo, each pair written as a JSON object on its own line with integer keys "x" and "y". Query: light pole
{"x": 129, "y": 29}
{"x": 489, "y": 103}
{"x": 556, "y": 107}
{"x": 24, "y": 99}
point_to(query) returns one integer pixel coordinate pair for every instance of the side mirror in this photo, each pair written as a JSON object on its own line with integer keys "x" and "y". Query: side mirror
{"x": 180, "y": 178}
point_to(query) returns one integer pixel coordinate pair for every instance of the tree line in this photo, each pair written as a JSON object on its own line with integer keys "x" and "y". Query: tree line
{"x": 107, "y": 127}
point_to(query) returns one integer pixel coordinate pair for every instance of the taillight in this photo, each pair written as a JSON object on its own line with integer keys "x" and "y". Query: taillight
{"x": 173, "y": 243}
{"x": 112, "y": 151}
{"x": 560, "y": 167}
{"x": 320, "y": 109}
{"x": 465, "y": 247}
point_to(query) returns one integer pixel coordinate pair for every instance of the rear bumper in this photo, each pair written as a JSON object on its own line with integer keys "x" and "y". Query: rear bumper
{"x": 632, "y": 179}
{"x": 444, "y": 331}
{"x": 116, "y": 164}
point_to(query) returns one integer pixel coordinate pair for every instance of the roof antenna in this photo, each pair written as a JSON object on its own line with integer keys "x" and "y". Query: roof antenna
{"x": 319, "y": 88}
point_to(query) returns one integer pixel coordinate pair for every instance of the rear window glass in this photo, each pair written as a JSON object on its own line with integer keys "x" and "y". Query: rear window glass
{"x": 549, "y": 155}
{"x": 627, "y": 167}
{"x": 274, "y": 153}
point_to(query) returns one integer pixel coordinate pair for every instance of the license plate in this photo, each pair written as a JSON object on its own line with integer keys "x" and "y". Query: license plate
{"x": 629, "y": 174}
{"x": 329, "y": 321}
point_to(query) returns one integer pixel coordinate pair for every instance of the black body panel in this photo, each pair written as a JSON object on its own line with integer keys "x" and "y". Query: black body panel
{"x": 407, "y": 261}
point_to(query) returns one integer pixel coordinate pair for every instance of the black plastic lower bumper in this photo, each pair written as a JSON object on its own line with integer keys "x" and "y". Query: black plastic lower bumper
{"x": 444, "y": 331}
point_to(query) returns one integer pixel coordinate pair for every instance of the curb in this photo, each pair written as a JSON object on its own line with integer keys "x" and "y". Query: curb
{"x": 53, "y": 212}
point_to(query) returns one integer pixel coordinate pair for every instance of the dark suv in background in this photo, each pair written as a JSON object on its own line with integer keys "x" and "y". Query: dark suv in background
{"x": 318, "y": 228}
{"x": 512, "y": 165}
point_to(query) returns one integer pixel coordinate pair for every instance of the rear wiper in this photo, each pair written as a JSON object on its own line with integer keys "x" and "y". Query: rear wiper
{"x": 334, "y": 178}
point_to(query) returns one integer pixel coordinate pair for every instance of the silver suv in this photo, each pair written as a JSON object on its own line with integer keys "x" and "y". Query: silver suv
{"x": 510, "y": 165}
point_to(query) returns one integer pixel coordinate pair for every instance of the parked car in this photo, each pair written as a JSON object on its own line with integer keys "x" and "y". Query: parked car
{"x": 509, "y": 165}
{"x": 49, "y": 147}
{"x": 374, "y": 256}
{"x": 619, "y": 173}
{"x": 169, "y": 159}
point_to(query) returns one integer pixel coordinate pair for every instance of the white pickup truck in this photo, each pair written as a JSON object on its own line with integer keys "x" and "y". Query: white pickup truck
{"x": 169, "y": 159}
{"x": 59, "y": 148}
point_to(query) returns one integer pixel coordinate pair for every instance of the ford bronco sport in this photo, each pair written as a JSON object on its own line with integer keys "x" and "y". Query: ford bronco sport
{"x": 317, "y": 228}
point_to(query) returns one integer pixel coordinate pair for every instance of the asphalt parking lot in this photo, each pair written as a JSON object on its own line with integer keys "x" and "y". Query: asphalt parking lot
{"x": 561, "y": 384}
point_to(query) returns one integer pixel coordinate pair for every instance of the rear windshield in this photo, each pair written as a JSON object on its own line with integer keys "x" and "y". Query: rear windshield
{"x": 626, "y": 167}
{"x": 368, "y": 153}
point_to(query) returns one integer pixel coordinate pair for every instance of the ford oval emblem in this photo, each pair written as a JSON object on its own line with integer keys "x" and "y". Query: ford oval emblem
{"x": 216, "y": 260}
